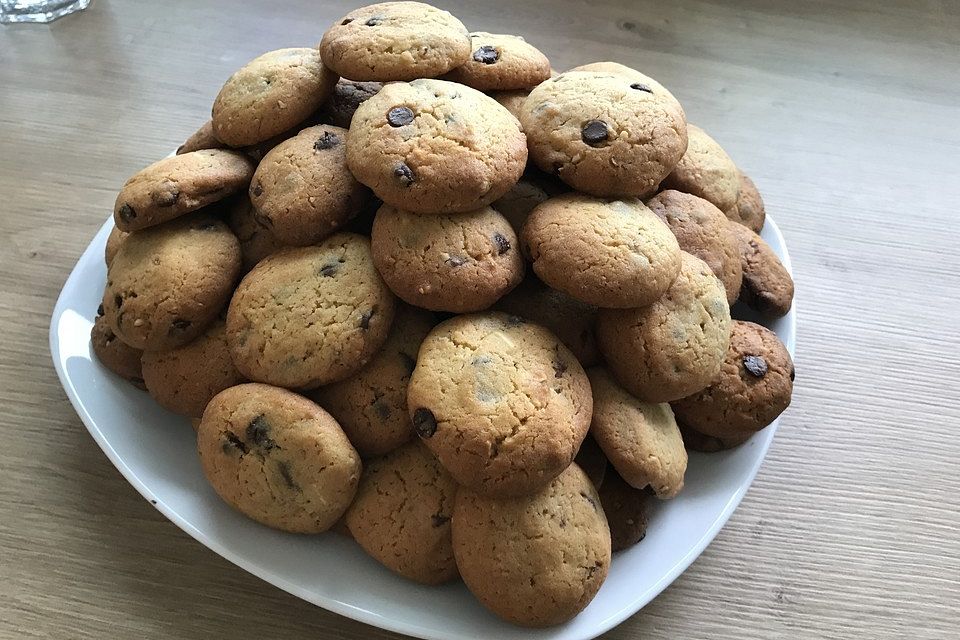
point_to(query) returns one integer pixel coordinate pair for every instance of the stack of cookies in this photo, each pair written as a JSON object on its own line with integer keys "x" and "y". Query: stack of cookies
{"x": 414, "y": 286}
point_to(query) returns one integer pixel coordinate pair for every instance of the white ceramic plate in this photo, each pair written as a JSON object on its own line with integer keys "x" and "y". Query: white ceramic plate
{"x": 155, "y": 452}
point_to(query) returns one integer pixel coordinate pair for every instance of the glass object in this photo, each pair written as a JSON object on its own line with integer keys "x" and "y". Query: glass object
{"x": 38, "y": 10}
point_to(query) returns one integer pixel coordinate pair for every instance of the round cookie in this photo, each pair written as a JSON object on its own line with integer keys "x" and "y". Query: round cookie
{"x": 310, "y": 316}
{"x": 754, "y": 386}
{"x": 371, "y": 405}
{"x": 183, "y": 380}
{"x": 271, "y": 94}
{"x": 500, "y": 401}
{"x": 167, "y": 284}
{"x": 395, "y": 41}
{"x": 702, "y": 231}
{"x": 535, "y": 560}
{"x": 114, "y": 240}
{"x": 640, "y": 439}
{"x": 568, "y": 318}
{"x": 347, "y": 95}
{"x": 511, "y": 100}
{"x": 302, "y": 190}
{"x": 749, "y": 210}
{"x": 675, "y": 346}
{"x": 627, "y": 510}
{"x": 113, "y": 353}
{"x": 278, "y": 458}
{"x": 202, "y": 138}
{"x": 401, "y": 514}
{"x": 591, "y": 459}
{"x": 180, "y": 184}
{"x": 431, "y": 146}
{"x": 607, "y": 253}
{"x": 257, "y": 241}
{"x": 767, "y": 285}
{"x": 461, "y": 262}
{"x": 693, "y": 440}
{"x": 605, "y": 134}
{"x": 501, "y": 62}
{"x": 705, "y": 170}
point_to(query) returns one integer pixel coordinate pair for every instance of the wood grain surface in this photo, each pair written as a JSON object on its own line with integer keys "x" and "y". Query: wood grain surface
{"x": 846, "y": 115}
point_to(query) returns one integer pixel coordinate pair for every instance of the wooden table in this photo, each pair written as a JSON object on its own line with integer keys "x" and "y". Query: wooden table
{"x": 845, "y": 113}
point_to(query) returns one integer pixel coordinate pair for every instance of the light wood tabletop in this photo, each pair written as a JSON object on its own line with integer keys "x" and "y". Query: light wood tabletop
{"x": 844, "y": 113}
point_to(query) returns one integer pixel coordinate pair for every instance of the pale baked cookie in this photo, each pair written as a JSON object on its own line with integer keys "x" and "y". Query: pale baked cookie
{"x": 627, "y": 510}
{"x": 302, "y": 190}
{"x": 702, "y": 230}
{"x": 431, "y": 146}
{"x": 167, "y": 284}
{"x": 113, "y": 353}
{"x": 277, "y": 458}
{"x": 767, "y": 285}
{"x": 202, "y": 138}
{"x": 705, "y": 170}
{"x": 347, "y": 95}
{"x": 271, "y": 94}
{"x": 501, "y": 62}
{"x": 371, "y": 405}
{"x": 461, "y": 262}
{"x": 395, "y": 41}
{"x": 257, "y": 241}
{"x": 401, "y": 514}
{"x": 180, "y": 184}
{"x": 310, "y": 316}
{"x": 534, "y": 560}
{"x": 500, "y": 401}
{"x": 673, "y": 347}
{"x": 640, "y": 439}
{"x": 114, "y": 240}
{"x": 605, "y": 134}
{"x": 749, "y": 210}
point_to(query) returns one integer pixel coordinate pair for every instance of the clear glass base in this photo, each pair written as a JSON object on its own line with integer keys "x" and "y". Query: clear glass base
{"x": 38, "y": 10}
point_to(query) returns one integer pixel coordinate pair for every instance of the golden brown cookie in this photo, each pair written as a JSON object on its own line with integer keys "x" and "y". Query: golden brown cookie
{"x": 767, "y": 285}
{"x": 705, "y": 170}
{"x": 114, "y": 240}
{"x": 257, "y": 241}
{"x": 501, "y": 62}
{"x": 674, "y": 347}
{"x": 627, "y": 510}
{"x": 534, "y": 560}
{"x": 401, "y": 514}
{"x": 277, "y": 458}
{"x": 749, "y": 210}
{"x": 114, "y": 354}
{"x": 202, "y": 138}
{"x": 500, "y": 401}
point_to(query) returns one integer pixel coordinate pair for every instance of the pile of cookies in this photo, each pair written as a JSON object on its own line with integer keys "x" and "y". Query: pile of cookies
{"x": 415, "y": 287}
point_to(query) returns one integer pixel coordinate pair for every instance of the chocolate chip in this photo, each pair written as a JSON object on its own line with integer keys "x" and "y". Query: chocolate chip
{"x": 284, "y": 469}
{"x": 382, "y": 410}
{"x": 258, "y": 433}
{"x": 439, "y": 520}
{"x": 409, "y": 362}
{"x": 179, "y": 325}
{"x": 486, "y": 54}
{"x": 329, "y": 270}
{"x": 639, "y": 86}
{"x": 100, "y": 310}
{"x": 595, "y": 132}
{"x": 755, "y": 366}
{"x": 559, "y": 368}
{"x": 118, "y": 300}
{"x": 127, "y": 213}
{"x": 399, "y": 116}
{"x": 503, "y": 245}
{"x": 233, "y": 443}
{"x": 793, "y": 374}
{"x": 258, "y": 189}
{"x": 374, "y": 21}
{"x": 347, "y": 21}
{"x": 404, "y": 174}
{"x": 456, "y": 261}
{"x": 365, "y": 319}
{"x": 424, "y": 422}
{"x": 327, "y": 141}
{"x": 167, "y": 198}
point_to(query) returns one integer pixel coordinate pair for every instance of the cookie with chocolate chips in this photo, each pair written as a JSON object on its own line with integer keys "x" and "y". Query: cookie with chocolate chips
{"x": 460, "y": 262}
{"x": 501, "y": 62}
{"x": 754, "y": 387}
{"x": 371, "y": 405}
{"x": 114, "y": 353}
{"x": 347, "y": 96}
{"x": 705, "y": 170}
{"x": 278, "y": 458}
{"x": 302, "y": 190}
{"x": 168, "y": 283}
{"x": 431, "y": 146}
{"x": 309, "y": 316}
{"x": 401, "y": 514}
{"x": 180, "y": 184}
{"x": 395, "y": 41}
{"x": 500, "y": 401}
{"x": 767, "y": 285}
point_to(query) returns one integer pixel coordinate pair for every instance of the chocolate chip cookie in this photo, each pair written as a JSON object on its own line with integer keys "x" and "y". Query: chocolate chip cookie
{"x": 401, "y": 514}
{"x": 501, "y": 62}
{"x": 271, "y": 94}
{"x": 395, "y": 41}
{"x": 180, "y": 184}
{"x": 202, "y": 138}
{"x": 673, "y": 347}
{"x": 749, "y": 210}
{"x": 310, "y": 316}
{"x": 277, "y": 458}
{"x": 302, "y": 190}
{"x": 347, "y": 95}
{"x": 257, "y": 241}
{"x": 431, "y": 146}
{"x": 500, "y": 401}
{"x": 614, "y": 254}
{"x": 705, "y": 170}
{"x": 114, "y": 354}
{"x": 627, "y": 510}
{"x": 167, "y": 284}
{"x": 534, "y": 560}
{"x": 460, "y": 262}
{"x": 767, "y": 285}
